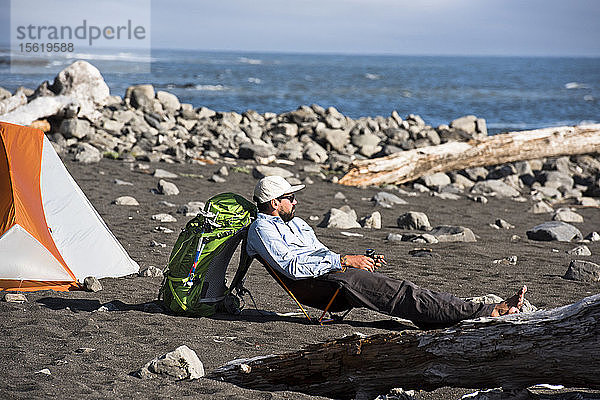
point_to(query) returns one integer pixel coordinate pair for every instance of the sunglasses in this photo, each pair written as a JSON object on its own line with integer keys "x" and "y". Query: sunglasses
{"x": 290, "y": 197}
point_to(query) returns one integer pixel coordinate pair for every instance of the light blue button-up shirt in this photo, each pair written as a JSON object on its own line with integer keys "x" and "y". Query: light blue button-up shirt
{"x": 291, "y": 247}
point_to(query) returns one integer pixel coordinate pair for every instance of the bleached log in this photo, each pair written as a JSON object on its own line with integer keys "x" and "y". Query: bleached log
{"x": 409, "y": 165}
{"x": 558, "y": 346}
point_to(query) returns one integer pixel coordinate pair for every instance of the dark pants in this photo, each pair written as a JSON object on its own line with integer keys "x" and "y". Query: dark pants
{"x": 425, "y": 308}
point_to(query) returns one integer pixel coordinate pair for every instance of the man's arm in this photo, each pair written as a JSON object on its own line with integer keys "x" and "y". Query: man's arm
{"x": 295, "y": 262}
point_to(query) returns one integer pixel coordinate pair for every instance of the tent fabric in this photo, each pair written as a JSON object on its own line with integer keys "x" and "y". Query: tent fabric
{"x": 50, "y": 234}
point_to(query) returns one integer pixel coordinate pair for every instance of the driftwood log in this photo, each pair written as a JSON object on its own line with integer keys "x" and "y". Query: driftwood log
{"x": 558, "y": 346}
{"x": 409, "y": 165}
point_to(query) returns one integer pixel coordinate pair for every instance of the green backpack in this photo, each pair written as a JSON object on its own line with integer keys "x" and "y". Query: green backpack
{"x": 195, "y": 282}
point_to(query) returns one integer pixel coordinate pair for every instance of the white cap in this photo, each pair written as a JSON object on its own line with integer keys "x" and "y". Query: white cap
{"x": 272, "y": 187}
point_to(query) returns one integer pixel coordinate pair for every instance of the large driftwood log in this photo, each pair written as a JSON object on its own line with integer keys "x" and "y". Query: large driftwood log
{"x": 558, "y": 346}
{"x": 409, "y": 165}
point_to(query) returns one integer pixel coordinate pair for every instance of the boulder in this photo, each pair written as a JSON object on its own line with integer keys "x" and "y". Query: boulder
{"x": 556, "y": 179}
{"x": 494, "y": 187}
{"x": 182, "y": 363}
{"x": 75, "y": 128}
{"x": 414, "y": 220}
{"x": 373, "y": 221}
{"x": 435, "y": 180}
{"x": 167, "y": 188}
{"x": 86, "y": 153}
{"x": 315, "y": 152}
{"x": 445, "y": 233}
{"x": 566, "y": 215}
{"x": 466, "y": 124}
{"x": 340, "y": 218}
{"x": 582, "y": 250}
{"x": 141, "y": 97}
{"x": 169, "y": 101}
{"x": 11, "y": 103}
{"x": 554, "y": 231}
{"x": 387, "y": 200}
{"x": 584, "y": 271}
{"x": 260, "y": 171}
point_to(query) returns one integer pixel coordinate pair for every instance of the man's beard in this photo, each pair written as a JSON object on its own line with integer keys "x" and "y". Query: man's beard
{"x": 287, "y": 217}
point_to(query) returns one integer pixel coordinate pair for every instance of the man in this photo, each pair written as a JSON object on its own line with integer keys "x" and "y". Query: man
{"x": 289, "y": 244}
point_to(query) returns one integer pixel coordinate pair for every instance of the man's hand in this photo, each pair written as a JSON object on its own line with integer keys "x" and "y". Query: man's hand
{"x": 363, "y": 262}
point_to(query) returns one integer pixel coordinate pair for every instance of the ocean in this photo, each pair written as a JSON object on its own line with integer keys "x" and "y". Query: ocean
{"x": 511, "y": 93}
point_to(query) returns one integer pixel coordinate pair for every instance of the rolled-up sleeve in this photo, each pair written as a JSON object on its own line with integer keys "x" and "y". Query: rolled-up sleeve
{"x": 293, "y": 260}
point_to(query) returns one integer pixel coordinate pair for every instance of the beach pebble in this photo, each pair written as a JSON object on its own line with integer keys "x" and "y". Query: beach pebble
{"x": 163, "y": 229}
{"x": 446, "y": 233}
{"x": 343, "y": 218}
{"x": 151, "y": 271}
{"x": 182, "y": 363}
{"x": 478, "y": 198}
{"x": 387, "y": 200}
{"x": 373, "y": 221}
{"x": 85, "y": 350}
{"x": 339, "y": 196}
{"x": 122, "y": 183}
{"x": 126, "y": 201}
{"x": 394, "y": 237}
{"x": 593, "y": 237}
{"x": 167, "y": 188}
{"x": 582, "y": 250}
{"x": 502, "y": 224}
{"x": 351, "y": 234}
{"x": 423, "y": 252}
{"x": 554, "y": 230}
{"x": 44, "y": 371}
{"x": 154, "y": 243}
{"x": 446, "y": 196}
{"x": 217, "y": 179}
{"x": 566, "y": 215}
{"x": 421, "y": 188}
{"x": 584, "y": 271}
{"x": 92, "y": 284}
{"x": 413, "y": 220}
{"x": 223, "y": 171}
{"x": 164, "y": 218}
{"x": 162, "y": 174}
{"x": 540, "y": 207}
{"x": 512, "y": 260}
{"x": 15, "y": 298}
{"x": 86, "y": 153}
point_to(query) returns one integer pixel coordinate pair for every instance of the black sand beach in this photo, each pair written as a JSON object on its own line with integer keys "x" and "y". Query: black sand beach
{"x": 52, "y": 330}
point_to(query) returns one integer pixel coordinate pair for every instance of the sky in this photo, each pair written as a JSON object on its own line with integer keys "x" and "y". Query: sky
{"x": 415, "y": 27}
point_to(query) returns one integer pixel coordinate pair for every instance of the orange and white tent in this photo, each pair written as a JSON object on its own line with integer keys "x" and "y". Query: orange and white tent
{"x": 51, "y": 237}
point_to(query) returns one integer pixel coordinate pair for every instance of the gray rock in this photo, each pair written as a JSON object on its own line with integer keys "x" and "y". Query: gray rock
{"x": 75, "y": 128}
{"x": 462, "y": 181}
{"x": 15, "y": 298}
{"x": 476, "y": 173}
{"x": 154, "y": 243}
{"x": 544, "y": 192}
{"x": 86, "y": 153}
{"x": 419, "y": 238}
{"x": 151, "y": 272}
{"x": 336, "y": 138}
{"x": 205, "y": 113}
{"x": 182, "y": 363}
{"x": 387, "y": 200}
{"x": 339, "y": 196}
{"x": 141, "y": 97}
{"x": 338, "y": 218}
{"x": 593, "y": 237}
{"x": 501, "y": 172}
{"x": 315, "y": 152}
{"x": 414, "y": 220}
{"x": 582, "y": 250}
{"x": 540, "y": 207}
{"x": 466, "y": 124}
{"x": 217, "y": 179}
{"x": 163, "y": 218}
{"x": 435, "y": 180}
{"x": 223, "y": 171}
{"x": 92, "y": 284}
{"x": 394, "y": 237}
{"x": 289, "y": 130}
{"x": 555, "y": 179}
{"x": 566, "y": 215}
{"x": 494, "y": 187}
{"x": 251, "y": 151}
{"x": 588, "y": 202}
{"x": 169, "y": 101}
{"x": 478, "y": 198}
{"x": 583, "y": 271}
{"x": 373, "y": 221}
{"x": 126, "y": 201}
{"x": 162, "y": 174}
{"x": 191, "y": 209}
{"x": 260, "y": 171}
{"x": 554, "y": 231}
{"x": 445, "y": 233}
{"x": 502, "y": 224}
{"x": 447, "y": 196}
{"x": 122, "y": 183}
{"x": 167, "y": 188}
